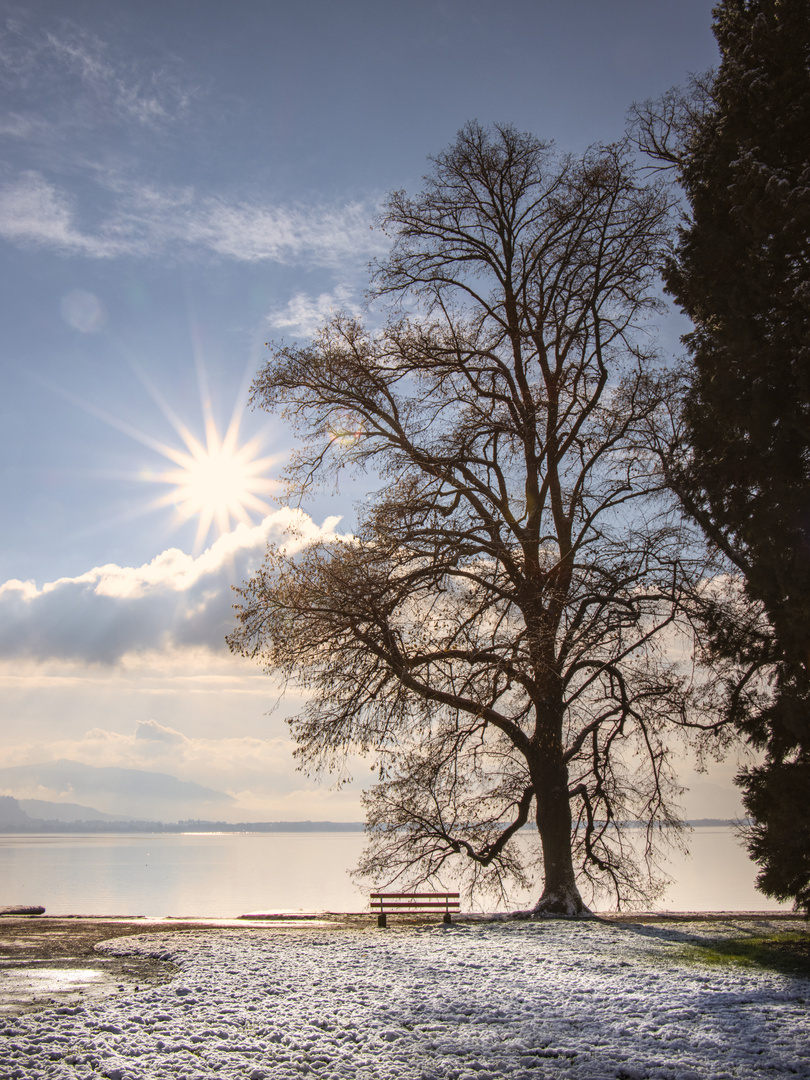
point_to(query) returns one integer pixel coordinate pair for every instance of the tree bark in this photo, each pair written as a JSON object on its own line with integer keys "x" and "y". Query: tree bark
{"x": 560, "y": 894}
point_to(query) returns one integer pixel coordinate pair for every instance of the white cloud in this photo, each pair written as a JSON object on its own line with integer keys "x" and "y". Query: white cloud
{"x": 176, "y": 600}
{"x": 322, "y": 235}
{"x": 34, "y": 213}
{"x": 148, "y": 220}
{"x": 153, "y": 732}
{"x": 304, "y": 314}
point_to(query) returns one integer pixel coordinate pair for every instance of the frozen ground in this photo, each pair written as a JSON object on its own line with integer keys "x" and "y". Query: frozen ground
{"x": 589, "y": 1001}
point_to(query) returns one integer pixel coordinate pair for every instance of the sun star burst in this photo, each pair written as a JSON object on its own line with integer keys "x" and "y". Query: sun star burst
{"x": 218, "y": 482}
{"x": 217, "y": 479}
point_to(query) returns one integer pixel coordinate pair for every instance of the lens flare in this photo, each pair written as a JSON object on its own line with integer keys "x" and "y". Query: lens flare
{"x": 219, "y": 479}
{"x": 82, "y": 310}
{"x": 346, "y": 429}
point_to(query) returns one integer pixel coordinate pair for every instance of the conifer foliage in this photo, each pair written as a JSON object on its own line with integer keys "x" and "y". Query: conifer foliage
{"x": 741, "y": 272}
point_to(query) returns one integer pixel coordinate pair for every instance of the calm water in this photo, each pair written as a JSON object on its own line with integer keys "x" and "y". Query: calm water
{"x": 222, "y": 875}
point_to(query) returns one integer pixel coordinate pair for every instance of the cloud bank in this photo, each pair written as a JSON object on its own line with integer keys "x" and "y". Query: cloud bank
{"x": 161, "y": 773}
{"x": 174, "y": 601}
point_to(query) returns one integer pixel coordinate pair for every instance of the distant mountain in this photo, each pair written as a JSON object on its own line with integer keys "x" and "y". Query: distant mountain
{"x": 66, "y": 774}
{"x": 11, "y": 813}
{"x": 130, "y": 825}
{"x": 127, "y": 793}
{"x": 39, "y": 815}
{"x": 59, "y": 811}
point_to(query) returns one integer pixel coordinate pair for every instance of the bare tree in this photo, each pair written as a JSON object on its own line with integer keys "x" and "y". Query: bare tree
{"x": 497, "y": 633}
{"x": 664, "y": 128}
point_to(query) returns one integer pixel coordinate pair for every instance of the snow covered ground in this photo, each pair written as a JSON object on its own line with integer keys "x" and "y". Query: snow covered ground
{"x": 585, "y": 1001}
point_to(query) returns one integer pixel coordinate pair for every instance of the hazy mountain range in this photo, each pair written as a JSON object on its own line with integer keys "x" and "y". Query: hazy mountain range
{"x": 25, "y": 813}
{"x": 130, "y": 798}
{"x": 40, "y": 816}
{"x": 43, "y": 810}
{"x": 89, "y": 792}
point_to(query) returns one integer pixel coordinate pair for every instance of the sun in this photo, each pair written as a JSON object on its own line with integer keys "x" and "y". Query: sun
{"x": 219, "y": 479}
{"x": 218, "y": 482}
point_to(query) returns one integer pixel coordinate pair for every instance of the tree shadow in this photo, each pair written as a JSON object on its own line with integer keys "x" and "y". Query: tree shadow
{"x": 786, "y": 951}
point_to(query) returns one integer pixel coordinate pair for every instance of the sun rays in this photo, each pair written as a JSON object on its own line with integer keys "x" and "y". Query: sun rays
{"x": 219, "y": 479}
{"x": 217, "y": 482}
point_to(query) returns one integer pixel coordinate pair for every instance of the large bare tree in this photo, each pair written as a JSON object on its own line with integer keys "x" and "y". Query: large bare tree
{"x": 501, "y": 633}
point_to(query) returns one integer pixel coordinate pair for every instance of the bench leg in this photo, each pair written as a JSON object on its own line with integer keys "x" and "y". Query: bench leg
{"x": 447, "y": 918}
{"x": 381, "y": 921}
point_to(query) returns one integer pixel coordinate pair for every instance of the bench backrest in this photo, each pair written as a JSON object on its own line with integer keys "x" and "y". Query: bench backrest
{"x": 404, "y": 902}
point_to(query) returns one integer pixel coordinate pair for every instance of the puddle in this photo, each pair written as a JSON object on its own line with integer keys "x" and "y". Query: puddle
{"x": 31, "y": 985}
{"x": 26, "y": 986}
{"x": 60, "y": 978}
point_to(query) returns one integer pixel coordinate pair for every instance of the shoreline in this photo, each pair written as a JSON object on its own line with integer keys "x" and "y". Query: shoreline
{"x": 61, "y": 952}
{"x": 52, "y": 959}
{"x": 300, "y": 915}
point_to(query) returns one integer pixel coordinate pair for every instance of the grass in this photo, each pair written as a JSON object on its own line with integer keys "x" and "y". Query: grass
{"x": 788, "y": 953}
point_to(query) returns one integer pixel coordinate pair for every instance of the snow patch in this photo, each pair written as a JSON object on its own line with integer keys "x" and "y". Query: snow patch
{"x": 524, "y": 1000}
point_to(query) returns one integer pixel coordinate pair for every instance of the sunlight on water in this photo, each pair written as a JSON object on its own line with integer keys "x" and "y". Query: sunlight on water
{"x": 60, "y": 979}
{"x": 220, "y": 875}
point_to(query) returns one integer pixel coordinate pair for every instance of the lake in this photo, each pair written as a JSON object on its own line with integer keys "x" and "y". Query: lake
{"x": 223, "y": 875}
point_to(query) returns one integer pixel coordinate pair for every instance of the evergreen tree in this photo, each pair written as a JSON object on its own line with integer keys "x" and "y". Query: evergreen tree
{"x": 741, "y": 272}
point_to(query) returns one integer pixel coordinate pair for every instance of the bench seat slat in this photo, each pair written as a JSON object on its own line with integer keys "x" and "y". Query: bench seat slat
{"x": 414, "y": 900}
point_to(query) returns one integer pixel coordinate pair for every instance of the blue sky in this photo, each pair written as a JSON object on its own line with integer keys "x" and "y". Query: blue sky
{"x": 180, "y": 182}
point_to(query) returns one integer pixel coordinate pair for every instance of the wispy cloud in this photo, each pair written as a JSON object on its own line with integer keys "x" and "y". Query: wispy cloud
{"x": 190, "y": 672}
{"x": 175, "y": 601}
{"x": 149, "y": 221}
{"x": 19, "y": 125}
{"x": 321, "y": 235}
{"x": 303, "y": 314}
{"x": 33, "y": 213}
{"x": 86, "y": 81}
{"x": 149, "y": 98}
{"x": 72, "y": 184}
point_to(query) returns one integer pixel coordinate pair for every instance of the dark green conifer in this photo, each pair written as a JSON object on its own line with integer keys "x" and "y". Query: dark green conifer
{"x": 741, "y": 272}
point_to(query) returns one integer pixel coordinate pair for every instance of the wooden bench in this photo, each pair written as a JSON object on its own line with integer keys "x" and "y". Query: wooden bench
{"x": 413, "y": 903}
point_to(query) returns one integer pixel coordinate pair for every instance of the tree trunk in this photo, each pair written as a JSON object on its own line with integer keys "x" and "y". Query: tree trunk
{"x": 560, "y": 894}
